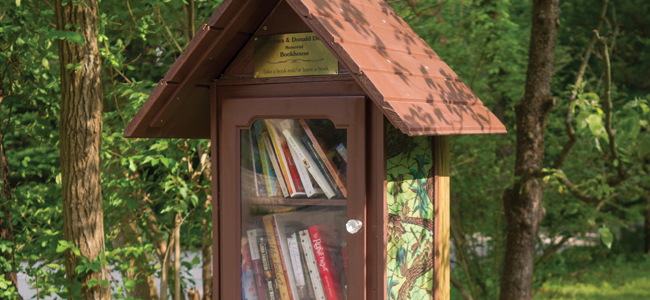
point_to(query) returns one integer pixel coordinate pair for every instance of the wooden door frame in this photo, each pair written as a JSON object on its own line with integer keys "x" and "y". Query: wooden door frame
{"x": 338, "y": 89}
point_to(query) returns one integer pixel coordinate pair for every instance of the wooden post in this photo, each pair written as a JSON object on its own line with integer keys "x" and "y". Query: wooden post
{"x": 214, "y": 146}
{"x": 441, "y": 156}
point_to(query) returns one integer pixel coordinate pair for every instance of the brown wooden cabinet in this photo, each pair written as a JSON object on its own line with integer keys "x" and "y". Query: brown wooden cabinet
{"x": 243, "y": 205}
{"x": 383, "y": 95}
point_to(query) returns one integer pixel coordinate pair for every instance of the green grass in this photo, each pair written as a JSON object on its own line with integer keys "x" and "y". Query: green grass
{"x": 619, "y": 278}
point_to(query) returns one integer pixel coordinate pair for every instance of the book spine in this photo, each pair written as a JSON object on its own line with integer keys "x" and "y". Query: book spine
{"x": 327, "y": 269}
{"x": 305, "y": 269}
{"x": 309, "y": 164}
{"x": 247, "y": 275}
{"x": 258, "y": 177}
{"x": 295, "y": 177}
{"x": 257, "y": 262}
{"x": 294, "y": 253}
{"x": 277, "y": 146}
{"x": 274, "y": 162}
{"x": 341, "y": 165}
{"x": 285, "y": 256}
{"x": 309, "y": 146}
{"x": 342, "y": 151}
{"x": 267, "y": 267}
{"x": 300, "y": 165}
{"x": 310, "y": 258}
{"x": 323, "y": 157}
{"x": 262, "y": 156}
{"x": 276, "y": 260}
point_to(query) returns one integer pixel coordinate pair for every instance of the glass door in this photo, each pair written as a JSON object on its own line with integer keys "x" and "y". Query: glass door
{"x": 294, "y": 199}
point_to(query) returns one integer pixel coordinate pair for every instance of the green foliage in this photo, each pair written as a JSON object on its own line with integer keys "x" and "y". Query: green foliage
{"x": 617, "y": 277}
{"x": 138, "y": 41}
{"x": 484, "y": 41}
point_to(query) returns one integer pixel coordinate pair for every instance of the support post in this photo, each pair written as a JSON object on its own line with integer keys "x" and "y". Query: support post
{"x": 441, "y": 157}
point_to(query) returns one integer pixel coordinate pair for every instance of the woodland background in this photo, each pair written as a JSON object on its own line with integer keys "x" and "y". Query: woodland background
{"x": 594, "y": 239}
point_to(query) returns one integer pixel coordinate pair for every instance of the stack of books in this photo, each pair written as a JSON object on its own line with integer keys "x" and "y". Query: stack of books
{"x": 289, "y": 161}
{"x": 290, "y": 259}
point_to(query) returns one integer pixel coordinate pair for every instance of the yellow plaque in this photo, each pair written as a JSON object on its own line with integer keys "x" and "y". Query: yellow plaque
{"x": 297, "y": 54}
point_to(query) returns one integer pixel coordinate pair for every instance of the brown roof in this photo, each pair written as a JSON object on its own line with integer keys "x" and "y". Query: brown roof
{"x": 416, "y": 90}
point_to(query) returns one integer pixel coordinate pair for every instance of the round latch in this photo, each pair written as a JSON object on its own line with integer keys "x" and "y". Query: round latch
{"x": 353, "y": 226}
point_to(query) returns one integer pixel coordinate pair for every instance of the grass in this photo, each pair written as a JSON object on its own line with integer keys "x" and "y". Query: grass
{"x": 617, "y": 278}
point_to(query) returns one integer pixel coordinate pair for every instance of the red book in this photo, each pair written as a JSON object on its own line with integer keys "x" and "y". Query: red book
{"x": 321, "y": 240}
{"x": 292, "y": 165}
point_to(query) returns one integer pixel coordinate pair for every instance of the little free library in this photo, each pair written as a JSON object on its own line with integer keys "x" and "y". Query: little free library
{"x": 330, "y": 123}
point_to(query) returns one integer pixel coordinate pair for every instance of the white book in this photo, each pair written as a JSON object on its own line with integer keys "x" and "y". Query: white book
{"x": 310, "y": 257}
{"x": 299, "y": 276}
{"x": 304, "y": 159}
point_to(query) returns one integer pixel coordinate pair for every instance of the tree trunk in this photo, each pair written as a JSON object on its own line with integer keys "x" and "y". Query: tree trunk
{"x": 177, "y": 257}
{"x": 6, "y": 228}
{"x": 523, "y": 201}
{"x": 80, "y": 142}
{"x": 188, "y": 29}
{"x": 129, "y": 234}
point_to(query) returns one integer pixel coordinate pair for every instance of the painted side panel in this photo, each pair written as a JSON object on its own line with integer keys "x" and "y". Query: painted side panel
{"x": 410, "y": 208}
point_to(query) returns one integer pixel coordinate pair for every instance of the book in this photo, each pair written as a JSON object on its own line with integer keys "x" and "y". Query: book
{"x": 270, "y": 284}
{"x": 249, "y": 291}
{"x": 262, "y": 160}
{"x": 321, "y": 237}
{"x": 338, "y": 161}
{"x": 310, "y": 189}
{"x": 307, "y": 162}
{"x": 321, "y": 154}
{"x": 281, "y": 274}
{"x": 343, "y": 152}
{"x": 299, "y": 276}
{"x": 305, "y": 270}
{"x": 321, "y": 165}
{"x": 312, "y": 266}
{"x": 274, "y": 163}
{"x": 279, "y": 223}
{"x": 258, "y": 173}
{"x": 258, "y": 270}
{"x": 338, "y": 261}
{"x": 287, "y": 164}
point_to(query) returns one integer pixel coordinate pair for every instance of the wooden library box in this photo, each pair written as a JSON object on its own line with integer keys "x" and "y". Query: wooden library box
{"x": 329, "y": 123}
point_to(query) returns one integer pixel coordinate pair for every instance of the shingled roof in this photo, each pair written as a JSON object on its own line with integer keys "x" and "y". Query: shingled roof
{"x": 416, "y": 90}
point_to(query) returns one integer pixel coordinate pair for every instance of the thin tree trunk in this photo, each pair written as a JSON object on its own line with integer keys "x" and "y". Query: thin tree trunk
{"x": 165, "y": 271}
{"x": 188, "y": 9}
{"x": 177, "y": 257}
{"x": 461, "y": 289}
{"x": 80, "y": 142}
{"x": 6, "y": 227}
{"x": 523, "y": 201}
{"x": 458, "y": 238}
{"x": 129, "y": 234}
